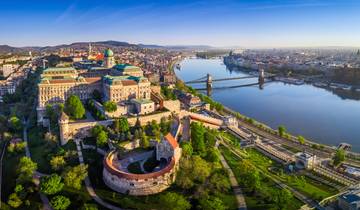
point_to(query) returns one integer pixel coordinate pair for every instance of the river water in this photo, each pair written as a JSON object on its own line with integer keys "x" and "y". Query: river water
{"x": 315, "y": 113}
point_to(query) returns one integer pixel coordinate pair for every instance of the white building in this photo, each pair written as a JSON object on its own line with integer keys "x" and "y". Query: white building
{"x": 7, "y": 69}
{"x": 143, "y": 106}
{"x": 305, "y": 160}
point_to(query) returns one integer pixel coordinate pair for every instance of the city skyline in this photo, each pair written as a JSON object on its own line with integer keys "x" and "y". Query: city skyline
{"x": 251, "y": 24}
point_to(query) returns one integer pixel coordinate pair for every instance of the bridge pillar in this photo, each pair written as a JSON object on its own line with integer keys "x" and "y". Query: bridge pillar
{"x": 209, "y": 80}
{"x": 261, "y": 76}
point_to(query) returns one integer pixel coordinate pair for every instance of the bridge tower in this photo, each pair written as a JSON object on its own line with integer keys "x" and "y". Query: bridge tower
{"x": 261, "y": 78}
{"x": 209, "y": 84}
{"x": 209, "y": 80}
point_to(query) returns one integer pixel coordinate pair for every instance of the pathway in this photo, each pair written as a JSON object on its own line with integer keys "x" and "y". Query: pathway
{"x": 234, "y": 184}
{"x": 88, "y": 185}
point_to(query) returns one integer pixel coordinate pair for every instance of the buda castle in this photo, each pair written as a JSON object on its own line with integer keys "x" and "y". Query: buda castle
{"x": 116, "y": 82}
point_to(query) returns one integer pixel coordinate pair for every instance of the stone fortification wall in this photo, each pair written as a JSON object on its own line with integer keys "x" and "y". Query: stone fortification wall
{"x": 69, "y": 130}
{"x": 172, "y": 105}
{"x": 138, "y": 184}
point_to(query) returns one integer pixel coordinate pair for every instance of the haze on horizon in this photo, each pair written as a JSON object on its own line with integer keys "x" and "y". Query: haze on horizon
{"x": 245, "y": 23}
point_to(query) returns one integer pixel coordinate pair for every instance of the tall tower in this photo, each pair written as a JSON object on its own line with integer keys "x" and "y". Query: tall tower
{"x": 90, "y": 50}
{"x": 109, "y": 61}
{"x": 64, "y": 128}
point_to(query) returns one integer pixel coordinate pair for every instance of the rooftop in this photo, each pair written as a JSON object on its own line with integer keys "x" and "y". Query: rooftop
{"x": 116, "y": 79}
{"x": 126, "y": 67}
{"x": 59, "y": 69}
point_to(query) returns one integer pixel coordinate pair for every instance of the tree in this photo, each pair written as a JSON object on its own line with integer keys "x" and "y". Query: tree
{"x": 26, "y": 168}
{"x": 14, "y": 200}
{"x": 121, "y": 125}
{"x": 339, "y": 157}
{"x": 211, "y": 203}
{"x": 197, "y": 138}
{"x": 15, "y": 124}
{"x": 212, "y": 155}
{"x": 96, "y": 130}
{"x": 144, "y": 140}
{"x": 89, "y": 206}
{"x": 155, "y": 129}
{"x": 75, "y": 175}
{"x": 164, "y": 126}
{"x": 301, "y": 139}
{"x": 101, "y": 139}
{"x": 193, "y": 170}
{"x": 60, "y": 202}
{"x": 74, "y": 107}
{"x": 57, "y": 162}
{"x": 282, "y": 198}
{"x": 219, "y": 182}
{"x": 110, "y": 106}
{"x": 187, "y": 149}
{"x": 51, "y": 185}
{"x": 174, "y": 201}
{"x": 250, "y": 175}
{"x": 281, "y": 130}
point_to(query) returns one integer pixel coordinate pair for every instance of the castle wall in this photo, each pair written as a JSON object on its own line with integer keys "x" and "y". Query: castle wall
{"x": 138, "y": 187}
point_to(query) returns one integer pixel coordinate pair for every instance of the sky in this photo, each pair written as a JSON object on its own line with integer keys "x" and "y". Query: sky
{"x": 220, "y": 23}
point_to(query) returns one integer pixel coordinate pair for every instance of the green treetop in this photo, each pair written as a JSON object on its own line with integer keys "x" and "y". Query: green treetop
{"x": 74, "y": 107}
{"x": 51, "y": 185}
{"x": 110, "y": 106}
{"x": 60, "y": 202}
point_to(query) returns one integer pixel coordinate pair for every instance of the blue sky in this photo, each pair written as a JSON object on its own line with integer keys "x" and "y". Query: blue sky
{"x": 247, "y": 23}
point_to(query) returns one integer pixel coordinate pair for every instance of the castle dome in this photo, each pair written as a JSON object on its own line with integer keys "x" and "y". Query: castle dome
{"x": 108, "y": 53}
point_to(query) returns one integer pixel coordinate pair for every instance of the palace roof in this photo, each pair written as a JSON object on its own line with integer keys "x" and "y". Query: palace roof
{"x": 125, "y": 80}
{"x": 126, "y": 68}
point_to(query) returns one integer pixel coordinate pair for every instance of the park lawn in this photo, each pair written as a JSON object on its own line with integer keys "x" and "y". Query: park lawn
{"x": 258, "y": 200}
{"x": 311, "y": 188}
{"x": 38, "y": 149}
{"x": 234, "y": 140}
{"x": 134, "y": 202}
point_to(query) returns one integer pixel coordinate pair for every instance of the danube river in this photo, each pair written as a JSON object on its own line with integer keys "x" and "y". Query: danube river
{"x": 315, "y": 113}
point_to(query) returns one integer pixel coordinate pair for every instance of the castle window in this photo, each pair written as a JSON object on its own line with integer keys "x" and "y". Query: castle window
{"x": 132, "y": 184}
{"x": 155, "y": 183}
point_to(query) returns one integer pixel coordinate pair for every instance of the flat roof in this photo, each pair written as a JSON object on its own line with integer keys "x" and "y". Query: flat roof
{"x": 126, "y": 67}
{"x": 143, "y": 101}
{"x": 52, "y": 69}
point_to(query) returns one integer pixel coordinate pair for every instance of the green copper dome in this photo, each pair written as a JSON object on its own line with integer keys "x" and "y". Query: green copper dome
{"x": 108, "y": 53}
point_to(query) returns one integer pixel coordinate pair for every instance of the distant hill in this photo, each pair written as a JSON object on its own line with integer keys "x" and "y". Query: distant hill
{"x": 111, "y": 44}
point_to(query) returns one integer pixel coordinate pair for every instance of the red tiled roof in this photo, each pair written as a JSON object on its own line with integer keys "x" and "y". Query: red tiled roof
{"x": 99, "y": 56}
{"x": 128, "y": 82}
{"x": 92, "y": 79}
{"x": 171, "y": 140}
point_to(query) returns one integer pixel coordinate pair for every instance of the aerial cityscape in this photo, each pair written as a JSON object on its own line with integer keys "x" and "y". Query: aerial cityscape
{"x": 180, "y": 105}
